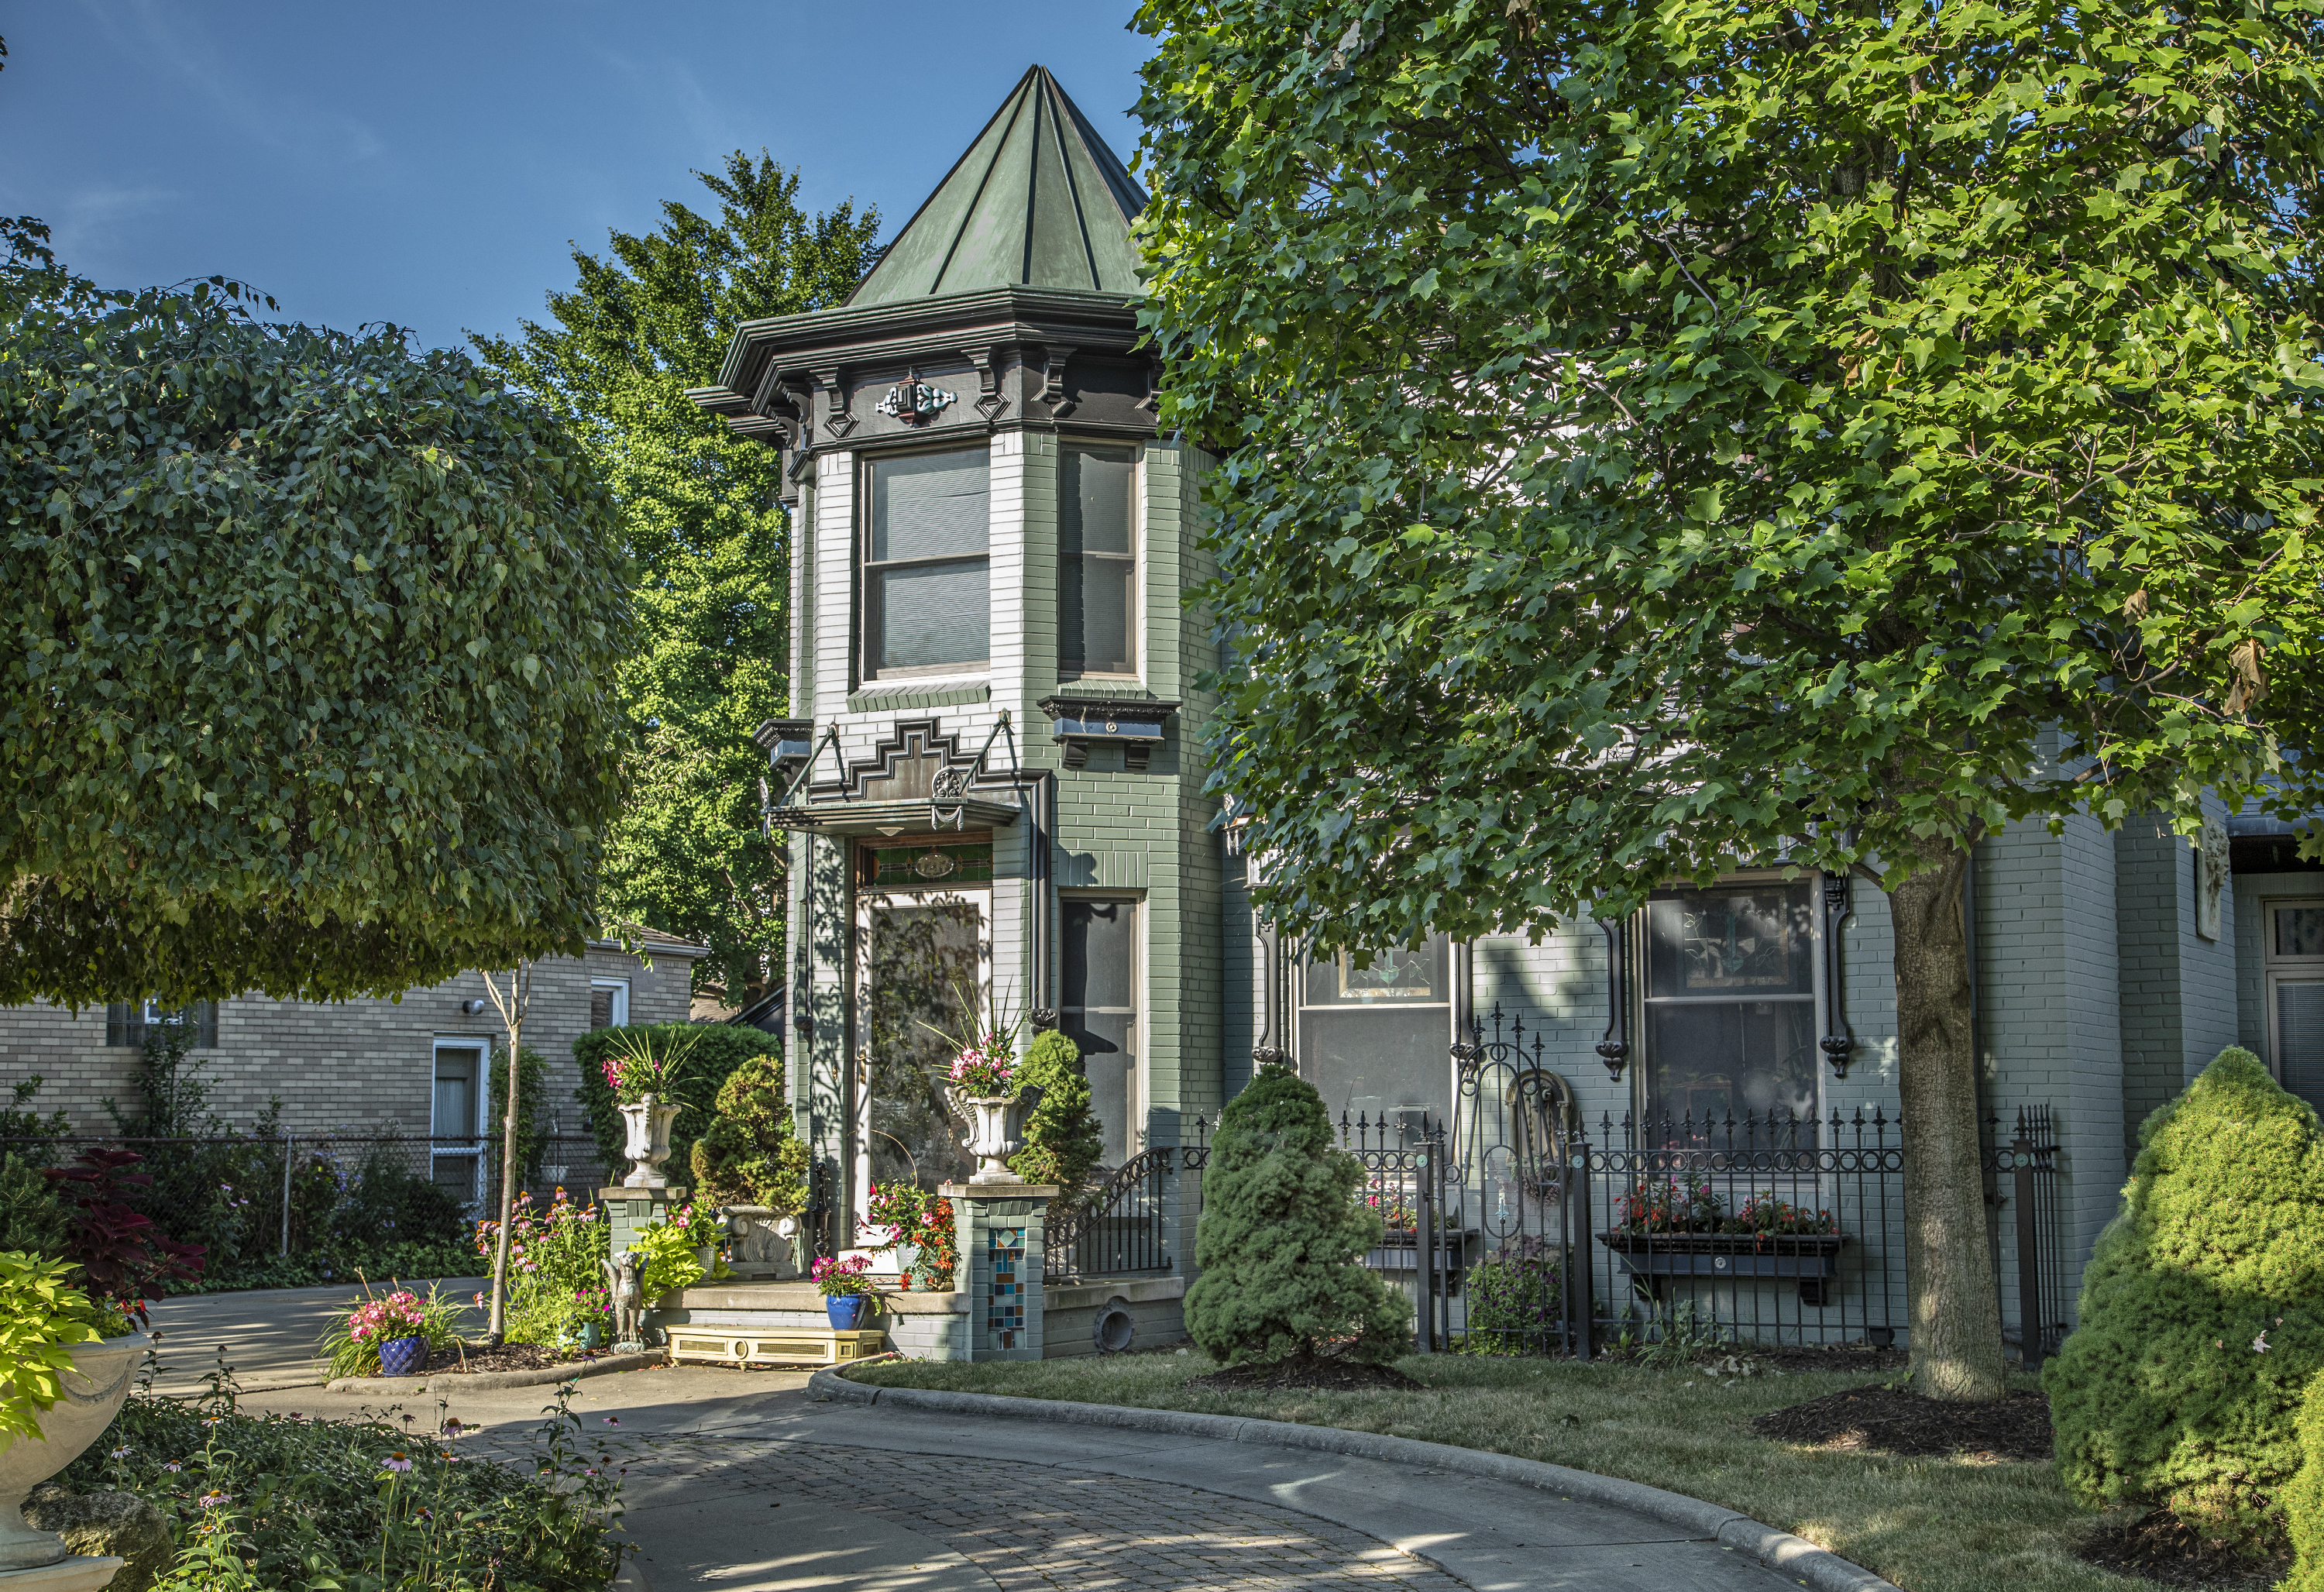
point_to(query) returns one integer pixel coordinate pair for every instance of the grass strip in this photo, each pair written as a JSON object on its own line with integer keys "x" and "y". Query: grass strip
{"x": 1928, "y": 1524}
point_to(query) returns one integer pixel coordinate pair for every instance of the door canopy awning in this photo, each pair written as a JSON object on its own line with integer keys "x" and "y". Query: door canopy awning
{"x": 907, "y": 815}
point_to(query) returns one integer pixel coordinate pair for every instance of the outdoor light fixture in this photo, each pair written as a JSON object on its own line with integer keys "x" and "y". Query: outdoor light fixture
{"x": 472, "y": 1008}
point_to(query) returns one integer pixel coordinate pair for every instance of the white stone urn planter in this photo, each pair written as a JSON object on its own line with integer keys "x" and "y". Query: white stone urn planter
{"x": 765, "y": 1244}
{"x": 94, "y": 1390}
{"x": 995, "y": 1131}
{"x": 648, "y": 1120}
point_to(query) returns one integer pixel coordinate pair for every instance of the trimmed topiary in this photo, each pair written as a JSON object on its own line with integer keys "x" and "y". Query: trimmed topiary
{"x": 1280, "y": 1233}
{"x": 2201, "y": 1329}
{"x": 2303, "y": 1499}
{"x": 748, "y": 1155}
{"x": 1063, "y": 1140}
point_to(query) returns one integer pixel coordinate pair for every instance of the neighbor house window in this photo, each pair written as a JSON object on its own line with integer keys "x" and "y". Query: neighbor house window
{"x": 1097, "y": 561}
{"x": 2294, "y": 955}
{"x": 609, "y": 1003}
{"x": 127, "y": 1022}
{"x": 1729, "y": 997}
{"x": 1099, "y": 1011}
{"x": 455, "y": 1118}
{"x": 927, "y": 599}
{"x": 1376, "y": 1039}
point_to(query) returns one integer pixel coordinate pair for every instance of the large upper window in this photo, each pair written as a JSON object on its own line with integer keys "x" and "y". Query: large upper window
{"x": 926, "y": 602}
{"x": 1730, "y": 1005}
{"x": 1097, "y": 561}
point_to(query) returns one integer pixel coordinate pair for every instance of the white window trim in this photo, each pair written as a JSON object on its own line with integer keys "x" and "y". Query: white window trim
{"x": 619, "y": 1011}
{"x": 2277, "y": 970}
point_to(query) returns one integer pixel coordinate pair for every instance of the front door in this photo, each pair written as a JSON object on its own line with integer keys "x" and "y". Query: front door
{"x": 924, "y": 981}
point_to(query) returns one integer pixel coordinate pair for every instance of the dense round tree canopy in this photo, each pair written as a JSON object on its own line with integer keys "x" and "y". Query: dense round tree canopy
{"x": 310, "y": 641}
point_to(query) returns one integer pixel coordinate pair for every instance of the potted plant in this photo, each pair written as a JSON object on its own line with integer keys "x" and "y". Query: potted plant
{"x": 640, "y": 1070}
{"x": 847, "y": 1294}
{"x": 389, "y": 1337}
{"x": 66, "y": 1364}
{"x": 922, "y": 1235}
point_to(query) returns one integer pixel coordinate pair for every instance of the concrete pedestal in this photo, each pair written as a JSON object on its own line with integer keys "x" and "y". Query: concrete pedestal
{"x": 630, "y": 1211}
{"x": 1002, "y": 1231}
{"x": 76, "y": 1574}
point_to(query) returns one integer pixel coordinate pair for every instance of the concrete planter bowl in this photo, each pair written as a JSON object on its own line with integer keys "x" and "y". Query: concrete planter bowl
{"x": 94, "y": 1390}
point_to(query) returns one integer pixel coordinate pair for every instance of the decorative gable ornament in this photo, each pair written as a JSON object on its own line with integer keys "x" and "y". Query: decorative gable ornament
{"x": 914, "y": 402}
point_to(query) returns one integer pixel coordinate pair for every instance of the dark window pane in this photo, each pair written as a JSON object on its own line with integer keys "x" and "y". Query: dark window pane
{"x": 931, "y": 614}
{"x": 2300, "y": 1037}
{"x": 1708, "y": 1060}
{"x": 1712, "y": 942}
{"x": 1096, "y": 502}
{"x": 930, "y": 506}
{"x": 1376, "y": 1063}
{"x": 923, "y": 965}
{"x": 2299, "y": 931}
{"x": 1100, "y": 1012}
{"x": 1100, "y": 953}
{"x": 456, "y": 1093}
{"x": 1097, "y": 625}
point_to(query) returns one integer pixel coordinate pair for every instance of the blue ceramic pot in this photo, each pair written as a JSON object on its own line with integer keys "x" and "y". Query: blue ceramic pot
{"x": 847, "y": 1310}
{"x": 404, "y": 1356}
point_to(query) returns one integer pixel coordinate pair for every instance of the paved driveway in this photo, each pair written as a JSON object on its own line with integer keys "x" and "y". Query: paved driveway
{"x": 737, "y": 1482}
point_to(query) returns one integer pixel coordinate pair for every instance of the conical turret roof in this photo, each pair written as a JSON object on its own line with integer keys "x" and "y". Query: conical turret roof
{"x": 1037, "y": 201}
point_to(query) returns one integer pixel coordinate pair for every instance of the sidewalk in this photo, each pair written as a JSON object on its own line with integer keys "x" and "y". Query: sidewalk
{"x": 269, "y": 1334}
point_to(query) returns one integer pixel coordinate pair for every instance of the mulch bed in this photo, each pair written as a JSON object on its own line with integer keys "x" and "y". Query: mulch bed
{"x": 1898, "y": 1422}
{"x": 507, "y": 1356}
{"x": 1321, "y": 1375}
{"x": 2159, "y": 1547}
{"x": 1849, "y": 1357}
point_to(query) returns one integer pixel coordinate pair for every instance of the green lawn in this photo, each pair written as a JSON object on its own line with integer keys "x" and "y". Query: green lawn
{"x": 1929, "y": 1525}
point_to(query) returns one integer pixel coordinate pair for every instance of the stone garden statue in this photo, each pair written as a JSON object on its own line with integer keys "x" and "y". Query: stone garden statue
{"x": 624, "y": 1278}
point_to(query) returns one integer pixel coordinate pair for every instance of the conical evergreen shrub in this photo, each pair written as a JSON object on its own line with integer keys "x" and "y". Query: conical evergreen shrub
{"x": 2303, "y": 1499}
{"x": 748, "y": 1155}
{"x": 1062, "y": 1136}
{"x": 1279, "y": 1237}
{"x": 2200, "y": 1323}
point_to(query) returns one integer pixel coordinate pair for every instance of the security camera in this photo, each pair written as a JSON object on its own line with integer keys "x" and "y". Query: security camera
{"x": 472, "y": 1008}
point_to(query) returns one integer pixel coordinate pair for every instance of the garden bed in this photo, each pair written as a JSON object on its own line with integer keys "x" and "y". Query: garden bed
{"x": 1929, "y": 1524}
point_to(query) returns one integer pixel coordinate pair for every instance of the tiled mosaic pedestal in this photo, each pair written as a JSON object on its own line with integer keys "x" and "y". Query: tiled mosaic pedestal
{"x": 1002, "y": 1231}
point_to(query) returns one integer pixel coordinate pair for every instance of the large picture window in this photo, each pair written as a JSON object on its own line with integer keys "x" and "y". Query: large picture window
{"x": 1097, "y": 561}
{"x": 1729, "y": 995}
{"x": 927, "y": 596}
{"x": 1099, "y": 1011}
{"x": 1376, "y": 1041}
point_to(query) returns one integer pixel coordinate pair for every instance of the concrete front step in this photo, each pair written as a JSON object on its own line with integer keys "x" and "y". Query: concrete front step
{"x": 921, "y": 1325}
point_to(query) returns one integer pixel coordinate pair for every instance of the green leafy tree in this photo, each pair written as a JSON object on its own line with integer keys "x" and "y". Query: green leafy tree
{"x": 1280, "y": 1237}
{"x": 310, "y": 639}
{"x": 2199, "y": 1326}
{"x": 642, "y": 325}
{"x": 1062, "y": 1136}
{"x": 1666, "y": 439}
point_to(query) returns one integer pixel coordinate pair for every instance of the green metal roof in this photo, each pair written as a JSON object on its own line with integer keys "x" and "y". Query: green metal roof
{"x": 1037, "y": 201}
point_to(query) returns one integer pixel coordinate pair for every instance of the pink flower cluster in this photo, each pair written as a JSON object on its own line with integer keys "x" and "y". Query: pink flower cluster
{"x": 984, "y": 1070}
{"x": 835, "y": 1278}
{"x": 528, "y": 1228}
{"x": 396, "y": 1316}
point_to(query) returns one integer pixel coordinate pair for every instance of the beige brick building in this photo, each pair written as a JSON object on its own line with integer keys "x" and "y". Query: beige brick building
{"x": 412, "y": 1062}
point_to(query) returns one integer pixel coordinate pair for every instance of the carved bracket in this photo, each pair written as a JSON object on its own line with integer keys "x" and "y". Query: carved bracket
{"x": 1052, "y": 379}
{"x": 991, "y": 401}
{"x": 1838, "y": 1042}
{"x": 1614, "y": 1049}
{"x": 837, "y": 421}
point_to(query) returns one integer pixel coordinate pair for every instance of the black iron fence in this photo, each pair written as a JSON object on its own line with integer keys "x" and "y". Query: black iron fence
{"x": 249, "y": 1201}
{"x": 1514, "y": 1227}
{"x": 1122, "y": 1228}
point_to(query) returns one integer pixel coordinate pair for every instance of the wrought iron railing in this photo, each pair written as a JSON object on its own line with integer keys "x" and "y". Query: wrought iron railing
{"x": 1119, "y": 1229}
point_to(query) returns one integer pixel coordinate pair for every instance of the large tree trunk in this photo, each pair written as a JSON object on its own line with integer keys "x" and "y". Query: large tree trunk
{"x": 1956, "y": 1317}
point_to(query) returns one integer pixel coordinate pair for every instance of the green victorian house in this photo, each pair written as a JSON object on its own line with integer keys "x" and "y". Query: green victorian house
{"x": 992, "y": 791}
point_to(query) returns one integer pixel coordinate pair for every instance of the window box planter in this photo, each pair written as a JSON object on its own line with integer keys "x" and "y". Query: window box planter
{"x": 1810, "y": 1260}
{"x": 1399, "y": 1251}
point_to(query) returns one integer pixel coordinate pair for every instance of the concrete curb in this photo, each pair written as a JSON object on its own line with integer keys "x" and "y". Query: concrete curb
{"x": 1794, "y": 1558}
{"x": 482, "y": 1380}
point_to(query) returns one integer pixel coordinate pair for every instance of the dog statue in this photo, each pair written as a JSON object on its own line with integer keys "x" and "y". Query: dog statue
{"x": 626, "y": 1282}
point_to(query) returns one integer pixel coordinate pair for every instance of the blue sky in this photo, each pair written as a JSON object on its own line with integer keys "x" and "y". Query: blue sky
{"x": 427, "y": 162}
